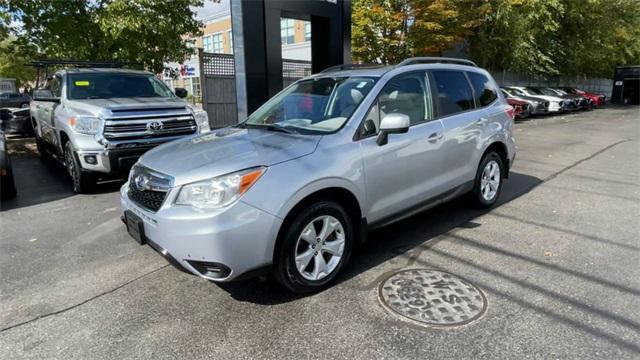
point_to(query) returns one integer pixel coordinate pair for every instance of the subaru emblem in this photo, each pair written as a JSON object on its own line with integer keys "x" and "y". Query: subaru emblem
{"x": 140, "y": 181}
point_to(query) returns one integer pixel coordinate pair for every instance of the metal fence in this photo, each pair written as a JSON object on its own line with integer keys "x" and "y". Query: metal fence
{"x": 595, "y": 85}
{"x": 217, "y": 72}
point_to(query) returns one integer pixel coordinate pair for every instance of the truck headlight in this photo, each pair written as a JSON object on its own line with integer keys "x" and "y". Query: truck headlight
{"x": 88, "y": 125}
{"x": 202, "y": 120}
{"x": 219, "y": 191}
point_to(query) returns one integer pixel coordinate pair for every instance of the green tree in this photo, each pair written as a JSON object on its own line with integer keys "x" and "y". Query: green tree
{"x": 597, "y": 35}
{"x": 145, "y": 31}
{"x": 519, "y": 35}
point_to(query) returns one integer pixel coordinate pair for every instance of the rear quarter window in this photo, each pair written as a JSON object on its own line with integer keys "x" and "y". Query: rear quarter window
{"x": 485, "y": 92}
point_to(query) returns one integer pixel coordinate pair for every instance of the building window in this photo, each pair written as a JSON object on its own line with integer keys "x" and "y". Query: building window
{"x": 207, "y": 45}
{"x": 230, "y": 37}
{"x": 218, "y": 47}
{"x": 307, "y": 31}
{"x": 287, "y": 32}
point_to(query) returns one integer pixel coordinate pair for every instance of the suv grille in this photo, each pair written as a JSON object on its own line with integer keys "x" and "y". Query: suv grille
{"x": 148, "y": 199}
{"x": 148, "y": 188}
{"x": 147, "y": 123}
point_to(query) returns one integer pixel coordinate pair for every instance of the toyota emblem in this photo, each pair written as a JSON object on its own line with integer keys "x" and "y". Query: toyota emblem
{"x": 154, "y": 126}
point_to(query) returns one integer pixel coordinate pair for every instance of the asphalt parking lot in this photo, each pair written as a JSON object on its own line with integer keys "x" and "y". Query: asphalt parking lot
{"x": 557, "y": 261}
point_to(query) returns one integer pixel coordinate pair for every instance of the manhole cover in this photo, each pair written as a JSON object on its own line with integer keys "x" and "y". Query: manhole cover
{"x": 432, "y": 297}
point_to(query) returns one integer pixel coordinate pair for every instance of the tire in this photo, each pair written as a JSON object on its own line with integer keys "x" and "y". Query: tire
{"x": 82, "y": 182}
{"x": 484, "y": 195}
{"x": 293, "y": 245}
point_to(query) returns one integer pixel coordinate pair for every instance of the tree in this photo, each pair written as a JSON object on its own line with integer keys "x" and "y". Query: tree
{"x": 388, "y": 31}
{"x": 144, "y": 31}
{"x": 597, "y": 35}
{"x": 553, "y": 37}
{"x": 519, "y": 35}
{"x": 379, "y": 30}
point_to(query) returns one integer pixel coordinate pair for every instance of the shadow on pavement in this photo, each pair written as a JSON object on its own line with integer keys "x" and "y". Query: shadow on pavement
{"x": 382, "y": 244}
{"x": 39, "y": 182}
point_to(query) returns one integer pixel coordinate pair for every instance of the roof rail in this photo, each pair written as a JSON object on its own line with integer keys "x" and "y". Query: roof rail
{"x": 80, "y": 63}
{"x": 436, "y": 60}
{"x": 349, "y": 67}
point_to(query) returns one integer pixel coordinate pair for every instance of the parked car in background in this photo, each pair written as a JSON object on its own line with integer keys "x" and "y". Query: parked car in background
{"x": 597, "y": 100}
{"x": 582, "y": 102}
{"x": 97, "y": 122}
{"x": 537, "y": 106}
{"x": 16, "y": 121}
{"x": 556, "y": 104}
{"x": 10, "y": 97}
{"x": 7, "y": 184}
{"x": 295, "y": 186}
{"x": 570, "y": 103}
{"x": 522, "y": 109}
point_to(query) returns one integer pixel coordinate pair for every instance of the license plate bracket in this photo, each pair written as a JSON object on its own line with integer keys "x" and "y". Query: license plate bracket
{"x": 135, "y": 227}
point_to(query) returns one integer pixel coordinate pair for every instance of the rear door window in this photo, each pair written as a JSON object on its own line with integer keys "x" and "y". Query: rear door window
{"x": 454, "y": 92}
{"x": 484, "y": 91}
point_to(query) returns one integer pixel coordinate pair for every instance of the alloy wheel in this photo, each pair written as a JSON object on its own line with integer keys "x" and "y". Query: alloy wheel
{"x": 490, "y": 180}
{"x": 319, "y": 248}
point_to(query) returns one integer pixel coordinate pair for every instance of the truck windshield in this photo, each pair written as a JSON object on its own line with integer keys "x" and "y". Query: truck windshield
{"x": 114, "y": 85}
{"x": 317, "y": 105}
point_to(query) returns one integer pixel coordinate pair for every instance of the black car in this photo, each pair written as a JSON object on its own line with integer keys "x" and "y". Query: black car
{"x": 16, "y": 121}
{"x": 7, "y": 186}
{"x": 14, "y": 100}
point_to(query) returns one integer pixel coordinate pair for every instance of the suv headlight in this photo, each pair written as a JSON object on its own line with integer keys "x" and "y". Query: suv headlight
{"x": 202, "y": 120}
{"x": 88, "y": 125}
{"x": 219, "y": 191}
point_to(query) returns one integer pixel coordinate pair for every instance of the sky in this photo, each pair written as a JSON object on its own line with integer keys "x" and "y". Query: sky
{"x": 211, "y": 8}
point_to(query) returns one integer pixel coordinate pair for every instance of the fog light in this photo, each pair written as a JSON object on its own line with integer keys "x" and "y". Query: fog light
{"x": 91, "y": 159}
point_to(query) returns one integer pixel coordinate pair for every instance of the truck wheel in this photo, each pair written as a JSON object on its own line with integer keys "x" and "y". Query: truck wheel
{"x": 83, "y": 182}
{"x": 315, "y": 247}
{"x": 488, "y": 182}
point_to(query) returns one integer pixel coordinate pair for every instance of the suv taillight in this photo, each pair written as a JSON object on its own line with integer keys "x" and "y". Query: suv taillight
{"x": 510, "y": 111}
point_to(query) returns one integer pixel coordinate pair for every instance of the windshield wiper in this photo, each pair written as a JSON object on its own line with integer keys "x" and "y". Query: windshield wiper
{"x": 269, "y": 127}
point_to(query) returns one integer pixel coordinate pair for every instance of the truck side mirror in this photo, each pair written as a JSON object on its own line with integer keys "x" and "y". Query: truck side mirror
{"x": 181, "y": 92}
{"x": 45, "y": 95}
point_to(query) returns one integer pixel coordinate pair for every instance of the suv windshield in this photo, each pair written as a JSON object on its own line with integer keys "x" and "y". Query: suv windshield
{"x": 317, "y": 105}
{"x": 111, "y": 85}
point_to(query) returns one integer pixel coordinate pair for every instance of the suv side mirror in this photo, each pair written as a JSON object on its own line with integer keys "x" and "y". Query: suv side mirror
{"x": 393, "y": 123}
{"x": 181, "y": 92}
{"x": 45, "y": 95}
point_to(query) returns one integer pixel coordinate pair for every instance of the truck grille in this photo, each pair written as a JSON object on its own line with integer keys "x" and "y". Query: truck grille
{"x": 148, "y": 188}
{"x": 148, "y": 123}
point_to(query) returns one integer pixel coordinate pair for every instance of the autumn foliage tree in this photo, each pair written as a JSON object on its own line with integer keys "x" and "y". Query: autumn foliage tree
{"x": 539, "y": 37}
{"x": 388, "y": 31}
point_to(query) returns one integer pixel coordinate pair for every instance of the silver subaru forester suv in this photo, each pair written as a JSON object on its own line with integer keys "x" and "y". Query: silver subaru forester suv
{"x": 296, "y": 186}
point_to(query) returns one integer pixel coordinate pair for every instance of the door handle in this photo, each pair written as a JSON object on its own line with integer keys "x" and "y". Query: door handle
{"x": 481, "y": 121}
{"x": 435, "y": 137}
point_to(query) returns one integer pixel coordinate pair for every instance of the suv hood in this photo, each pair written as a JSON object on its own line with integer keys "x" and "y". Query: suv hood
{"x": 95, "y": 106}
{"x": 225, "y": 151}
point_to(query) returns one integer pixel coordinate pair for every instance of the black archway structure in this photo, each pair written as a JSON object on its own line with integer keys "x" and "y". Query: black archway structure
{"x": 258, "y": 49}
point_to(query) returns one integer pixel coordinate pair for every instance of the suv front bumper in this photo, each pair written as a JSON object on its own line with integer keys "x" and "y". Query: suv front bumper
{"x": 240, "y": 237}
